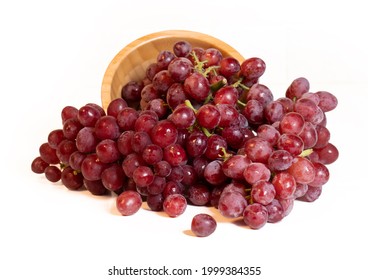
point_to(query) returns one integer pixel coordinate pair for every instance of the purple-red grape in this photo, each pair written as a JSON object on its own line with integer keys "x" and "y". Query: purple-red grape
{"x": 174, "y": 205}
{"x": 203, "y": 225}
{"x": 128, "y": 202}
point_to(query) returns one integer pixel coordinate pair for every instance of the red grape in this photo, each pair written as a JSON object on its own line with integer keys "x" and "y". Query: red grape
{"x": 203, "y": 225}
{"x": 232, "y": 204}
{"x": 128, "y": 202}
{"x": 253, "y": 68}
{"x": 174, "y": 205}
{"x": 255, "y": 215}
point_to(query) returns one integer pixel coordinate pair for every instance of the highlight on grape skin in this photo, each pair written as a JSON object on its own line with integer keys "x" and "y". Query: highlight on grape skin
{"x": 199, "y": 130}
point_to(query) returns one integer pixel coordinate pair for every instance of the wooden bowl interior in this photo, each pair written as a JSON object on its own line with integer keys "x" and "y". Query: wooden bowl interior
{"x": 131, "y": 62}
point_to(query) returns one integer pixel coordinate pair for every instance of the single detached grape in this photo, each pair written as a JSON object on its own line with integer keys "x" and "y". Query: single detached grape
{"x": 203, "y": 225}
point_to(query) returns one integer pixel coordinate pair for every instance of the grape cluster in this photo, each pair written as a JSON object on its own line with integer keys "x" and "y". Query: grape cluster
{"x": 199, "y": 129}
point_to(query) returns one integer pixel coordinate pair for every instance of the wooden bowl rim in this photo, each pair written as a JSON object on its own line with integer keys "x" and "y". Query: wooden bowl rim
{"x": 132, "y": 46}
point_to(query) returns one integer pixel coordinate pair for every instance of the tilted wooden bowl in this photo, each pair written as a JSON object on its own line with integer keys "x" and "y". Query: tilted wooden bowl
{"x": 131, "y": 62}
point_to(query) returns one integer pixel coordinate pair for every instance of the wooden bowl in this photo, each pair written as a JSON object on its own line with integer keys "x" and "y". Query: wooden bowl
{"x": 131, "y": 62}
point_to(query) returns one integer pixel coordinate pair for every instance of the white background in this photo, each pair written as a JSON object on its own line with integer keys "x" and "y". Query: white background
{"x": 55, "y": 53}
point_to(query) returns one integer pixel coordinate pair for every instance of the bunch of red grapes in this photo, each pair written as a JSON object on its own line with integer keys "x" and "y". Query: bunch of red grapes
{"x": 199, "y": 129}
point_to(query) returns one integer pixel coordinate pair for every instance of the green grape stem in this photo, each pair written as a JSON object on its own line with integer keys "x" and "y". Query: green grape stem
{"x": 241, "y": 104}
{"x": 306, "y": 153}
{"x": 206, "y": 132}
{"x": 76, "y": 172}
{"x": 198, "y": 65}
{"x": 189, "y": 104}
{"x": 208, "y": 99}
{"x": 209, "y": 69}
{"x": 62, "y": 165}
{"x": 216, "y": 86}
{"x": 249, "y": 198}
{"x": 238, "y": 83}
{"x": 200, "y": 68}
{"x": 225, "y": 155}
